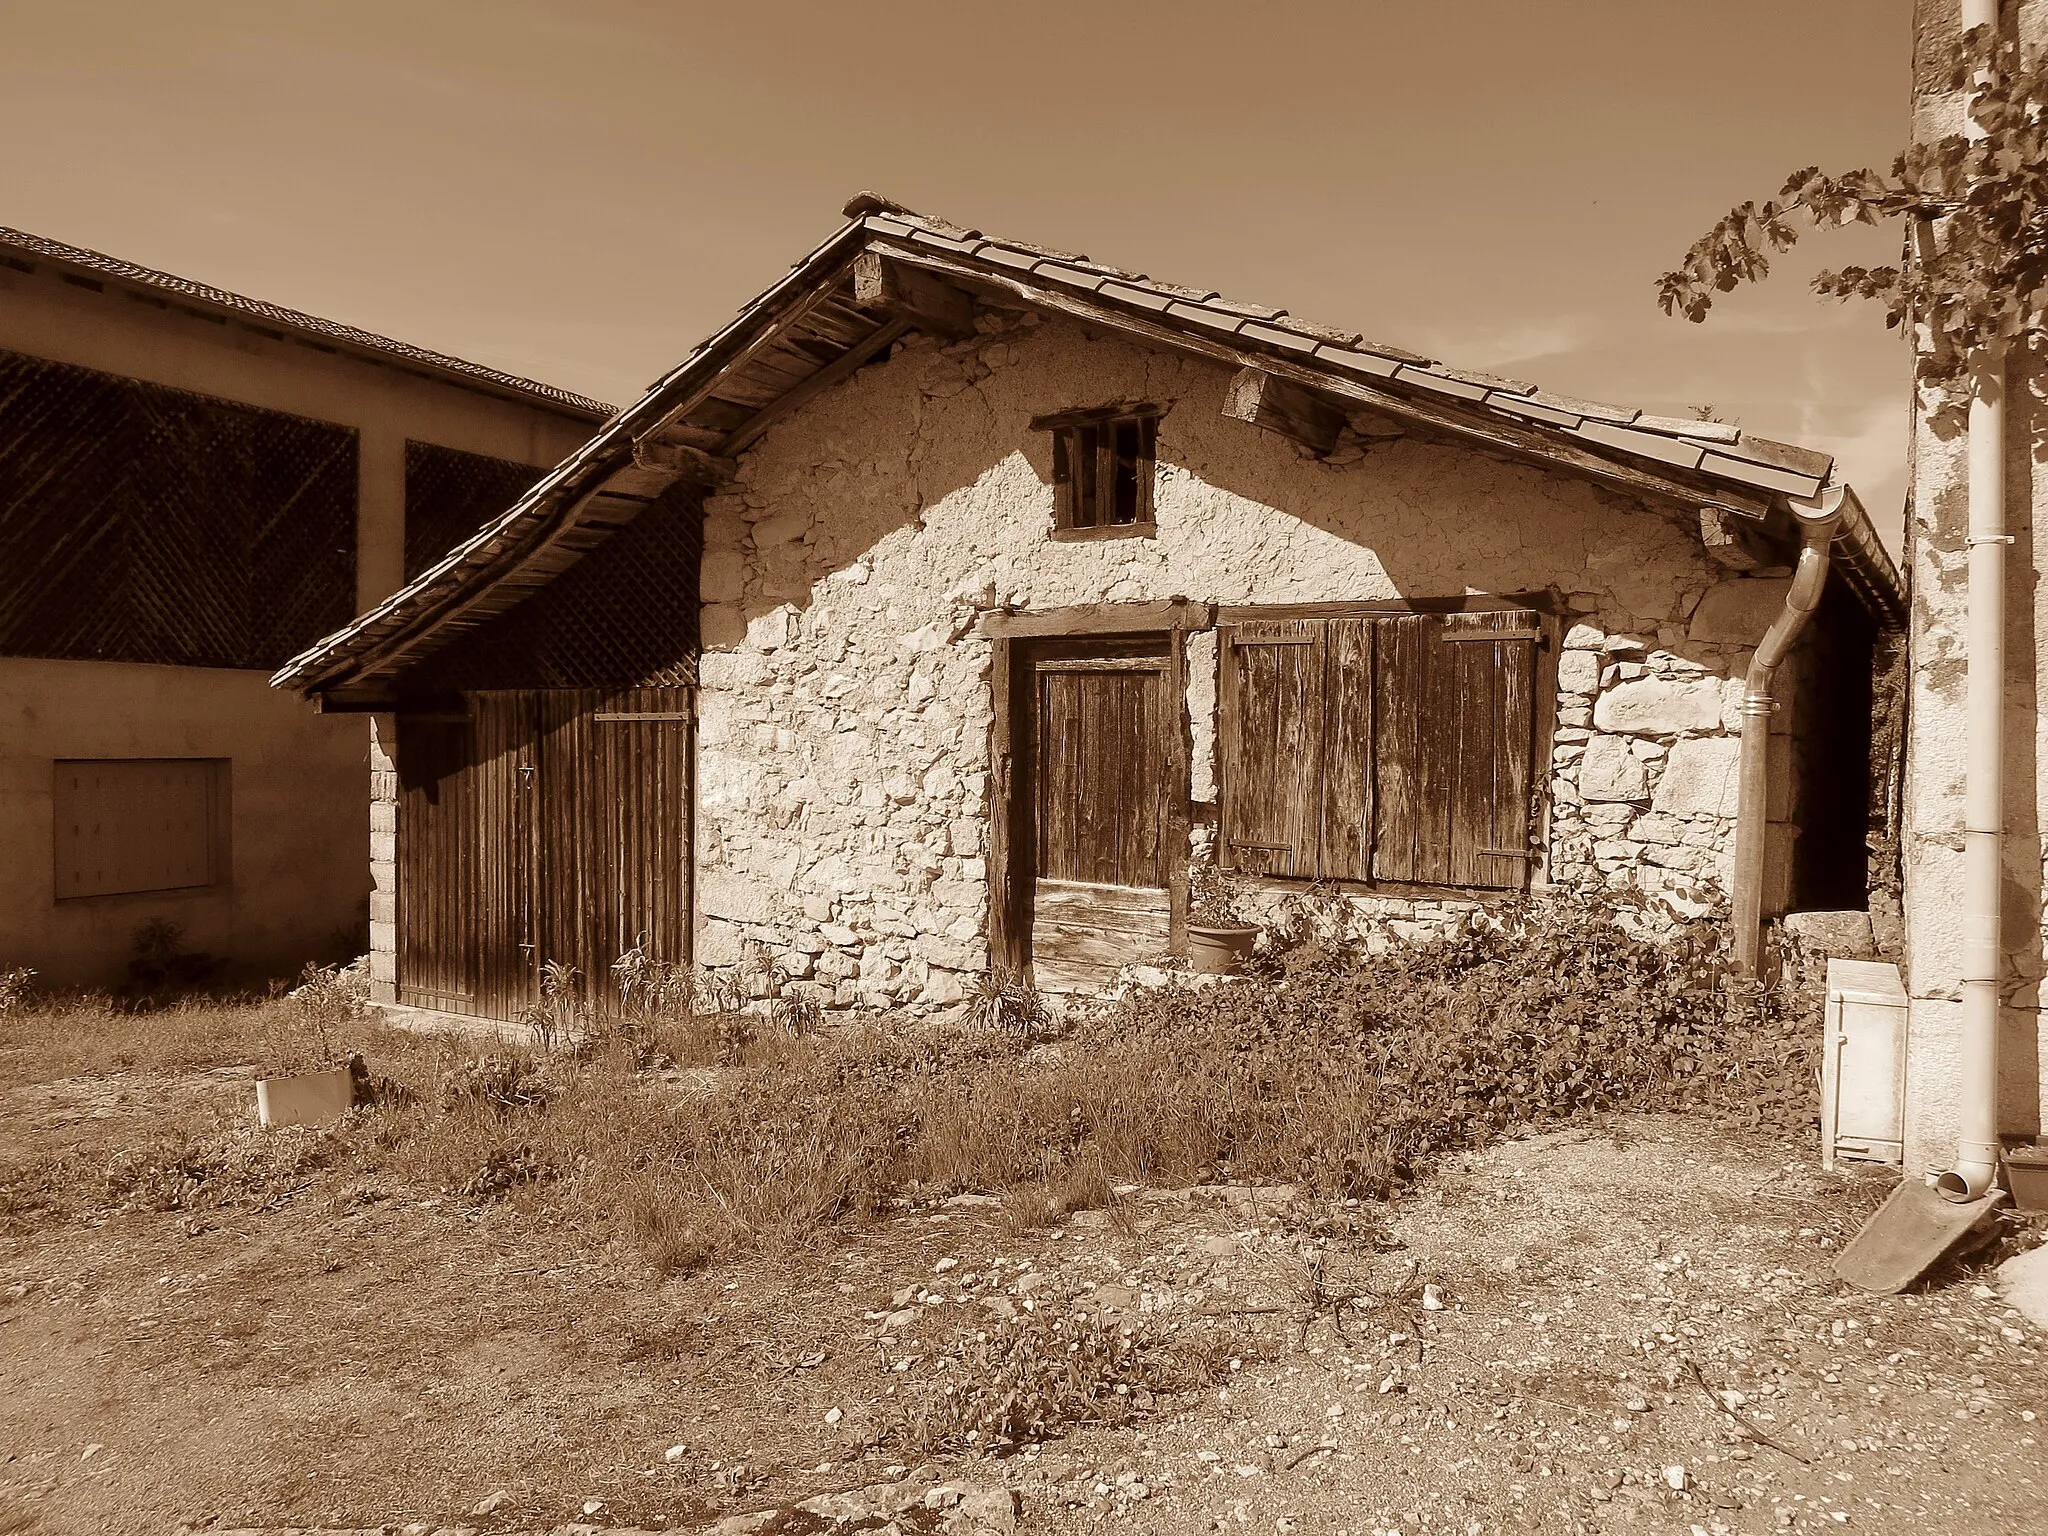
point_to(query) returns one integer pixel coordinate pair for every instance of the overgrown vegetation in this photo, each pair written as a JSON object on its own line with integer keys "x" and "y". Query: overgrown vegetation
{"x": 694, "y": 1135}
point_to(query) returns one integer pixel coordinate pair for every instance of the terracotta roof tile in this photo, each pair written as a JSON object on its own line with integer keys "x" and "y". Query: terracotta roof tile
{"x": 1647, "y": 445}
{"x": 1437, "y": 379}
{"x": 1790, "y": 481}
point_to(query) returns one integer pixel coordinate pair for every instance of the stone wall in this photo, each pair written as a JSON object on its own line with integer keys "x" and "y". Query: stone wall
{"x": 383, "y": 859}
{"x": 845, "y": 709}
{"x": 1937, "y": 556}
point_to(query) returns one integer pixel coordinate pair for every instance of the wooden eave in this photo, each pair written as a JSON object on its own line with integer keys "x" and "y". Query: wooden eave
{"x": 887, "y": 273}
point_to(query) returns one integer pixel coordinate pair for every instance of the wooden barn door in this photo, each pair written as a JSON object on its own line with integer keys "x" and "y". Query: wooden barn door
{"x": 1100, "y": 797}
{"x": 546, "y": 825}
{"x": 613, "y": 828}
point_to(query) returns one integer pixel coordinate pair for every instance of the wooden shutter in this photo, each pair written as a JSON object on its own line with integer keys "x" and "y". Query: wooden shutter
{"x": 1272, "y": 741}
{"x": 1453, "y": 747}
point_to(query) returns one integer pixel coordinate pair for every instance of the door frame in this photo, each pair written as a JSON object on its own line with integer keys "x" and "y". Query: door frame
{"x": 1011, "y": 855}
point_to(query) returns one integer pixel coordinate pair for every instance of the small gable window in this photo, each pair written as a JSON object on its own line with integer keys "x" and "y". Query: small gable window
{"x": 1102, "y": 471}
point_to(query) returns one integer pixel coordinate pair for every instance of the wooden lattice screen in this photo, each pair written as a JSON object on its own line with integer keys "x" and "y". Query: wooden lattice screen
{"x": 624, "y": 616}
{"x": 145, "y": 524}
{"x": 450, "y": 495}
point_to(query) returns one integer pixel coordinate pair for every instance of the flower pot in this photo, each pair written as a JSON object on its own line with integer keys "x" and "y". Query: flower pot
{"x": 304, "y": 1098}
{"x": 1218, "y": 951}
{"x": 2026, "y": 1175}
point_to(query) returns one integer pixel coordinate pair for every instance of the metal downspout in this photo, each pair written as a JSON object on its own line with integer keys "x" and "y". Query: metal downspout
{"x": 1818, "y": 521}
{"x": 1977, "y": 1150}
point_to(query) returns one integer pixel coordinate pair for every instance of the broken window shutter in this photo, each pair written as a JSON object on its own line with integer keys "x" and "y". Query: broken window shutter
{"x": 1272, "y": 746}
{"x": 1484, "y": 679}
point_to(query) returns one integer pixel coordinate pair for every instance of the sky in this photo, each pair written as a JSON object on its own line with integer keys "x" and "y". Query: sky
{"x": 580, "y": 190}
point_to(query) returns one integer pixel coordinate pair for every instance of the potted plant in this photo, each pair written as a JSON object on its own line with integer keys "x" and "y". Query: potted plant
{"x": 1221, "y": 928}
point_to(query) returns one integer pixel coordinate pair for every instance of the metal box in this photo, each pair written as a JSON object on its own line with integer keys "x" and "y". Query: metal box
{"x": 1863, "y": 1064}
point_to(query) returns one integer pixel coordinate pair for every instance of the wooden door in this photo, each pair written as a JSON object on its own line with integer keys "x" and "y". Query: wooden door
{"x": 542, "y": 825}
{"x": 613, "y": 828}
{"x": 1100, "y": 796}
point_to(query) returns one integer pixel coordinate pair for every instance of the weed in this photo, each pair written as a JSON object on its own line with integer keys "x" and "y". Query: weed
{"x": 17, "y": 988}
{"x": 1035, "y": 1375}
{"x": 1005, "y": 1001}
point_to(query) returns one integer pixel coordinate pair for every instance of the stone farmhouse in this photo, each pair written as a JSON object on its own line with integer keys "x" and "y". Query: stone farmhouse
{"x": 927, "y": 618}
{"x": 194, "y": 486}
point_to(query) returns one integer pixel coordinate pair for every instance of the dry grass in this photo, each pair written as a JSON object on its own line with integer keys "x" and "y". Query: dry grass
{"x": 1331, "y": 1076}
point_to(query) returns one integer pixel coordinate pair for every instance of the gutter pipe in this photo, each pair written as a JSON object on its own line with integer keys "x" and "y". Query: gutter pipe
{"x": 1975, "y": 1172}
{"x": 1819, "y": 519}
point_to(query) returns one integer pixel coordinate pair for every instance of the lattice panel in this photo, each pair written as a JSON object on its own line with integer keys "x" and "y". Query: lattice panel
{"x": 139, "y": 523}
{"x": 450, "y": 495}
{"x": 624, "y": 616}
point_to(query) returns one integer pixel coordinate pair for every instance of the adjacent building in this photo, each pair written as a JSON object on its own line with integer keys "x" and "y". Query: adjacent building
{"x": 193, "y": 487}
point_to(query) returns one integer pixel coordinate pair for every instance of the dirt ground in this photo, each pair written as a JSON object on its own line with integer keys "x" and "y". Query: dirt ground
{"x": 356, "y": 1357}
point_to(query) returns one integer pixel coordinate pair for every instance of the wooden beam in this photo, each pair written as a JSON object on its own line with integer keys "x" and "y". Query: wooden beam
{"x": 1099, "y": 619}
{"x": 1489, "y": 431}
{"x": 1278, "y": 405}
{"x": 658, "y": 463}
{"x": 887, "y": 286}
{"x": 1008, "y": 935}
{"x": 841, "y": 368}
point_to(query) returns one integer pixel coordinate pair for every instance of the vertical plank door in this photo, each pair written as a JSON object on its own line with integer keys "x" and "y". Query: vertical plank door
{"x": 1101, "y": 782}
{"x": 612, "y": 814}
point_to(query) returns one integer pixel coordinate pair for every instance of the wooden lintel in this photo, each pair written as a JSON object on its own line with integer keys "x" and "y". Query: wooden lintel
{"x": 1546, "y": 603}
{"x": 837, "y": 371}
{"x": 1279, "y": 405}
{"x": 1487, "y": 430}
{"x": 887, "y": 286}
{"x": 1100, "y": 619}
{"x": 1094, "y": 413}
{"x": 355, "y": 702}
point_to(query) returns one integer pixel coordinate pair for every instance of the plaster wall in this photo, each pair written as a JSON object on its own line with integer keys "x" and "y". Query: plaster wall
{"x": 1933, "y": 822}
{"x": 301, "y": 809}
{"x": 845, "y": 706}
{"x": 297, "y": 884}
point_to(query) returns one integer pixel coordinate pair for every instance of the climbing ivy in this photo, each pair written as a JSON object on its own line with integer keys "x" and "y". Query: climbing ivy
{"x": 1974, "y": 273}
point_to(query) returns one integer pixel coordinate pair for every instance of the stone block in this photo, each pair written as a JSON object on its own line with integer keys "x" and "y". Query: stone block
{"x": 723, "y": 577}
{"x": 951, "y": 954}
{"x": 724, "y": 625}
{"x": 1701, "y": 776}
{"x": 384, "y": 847}
{"x": 1610, "y": 771}
{"x": 735, "y": 897}
{"x": 1738, "y": 611}
{"x": 1838, "y": 935}
{"x": 1656, "y": 706}
{"x": 384, "y": 966}
{"x": 718, "y": 943}
{"x": 1578, "y": 671}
